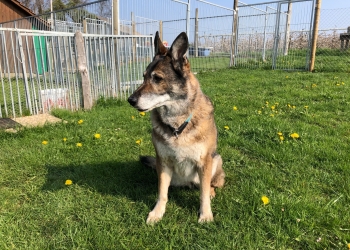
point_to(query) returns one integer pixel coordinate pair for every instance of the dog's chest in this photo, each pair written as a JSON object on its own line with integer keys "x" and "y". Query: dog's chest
{"x": 184, "y": 159}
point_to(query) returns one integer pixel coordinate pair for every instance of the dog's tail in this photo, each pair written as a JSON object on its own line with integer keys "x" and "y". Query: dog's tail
{"x": 148, "y": 161}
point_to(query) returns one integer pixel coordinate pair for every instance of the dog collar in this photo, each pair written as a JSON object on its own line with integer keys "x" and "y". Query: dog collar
{"x": 178, "y": 131}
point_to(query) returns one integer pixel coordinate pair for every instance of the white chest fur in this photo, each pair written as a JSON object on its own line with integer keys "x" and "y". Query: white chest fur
{"x": 183, "y": 160}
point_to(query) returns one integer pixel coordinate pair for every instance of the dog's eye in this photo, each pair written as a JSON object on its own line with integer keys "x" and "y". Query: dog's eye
{"x": 157, "y": 78}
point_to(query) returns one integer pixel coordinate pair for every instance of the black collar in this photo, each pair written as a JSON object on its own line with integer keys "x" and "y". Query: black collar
{"x": 178, "y": 131}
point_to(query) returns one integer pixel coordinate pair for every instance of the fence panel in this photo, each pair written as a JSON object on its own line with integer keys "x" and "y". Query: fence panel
{"x": 38, "y": 69}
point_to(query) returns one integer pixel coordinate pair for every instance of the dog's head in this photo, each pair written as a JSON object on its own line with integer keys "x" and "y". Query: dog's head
{"x": 165, "y": 77}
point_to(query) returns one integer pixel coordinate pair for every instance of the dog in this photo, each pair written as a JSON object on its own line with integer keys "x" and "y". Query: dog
{"x": 184, "y": 133}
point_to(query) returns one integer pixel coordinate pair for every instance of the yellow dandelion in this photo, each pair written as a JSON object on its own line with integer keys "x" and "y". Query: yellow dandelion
{"x": 226, "y": 127}
{"x": 313, "y": 85}
{"x": 342, "y": 83}
{"x": 79, "y": 144}
{"x": 281, "y": 138}
{"x": 132, "y": 117}
{"x": 142, "y": 113}
{"x": 272, "y": 115}
{"x": 68, "y": 182}
{"x": 349, "y": 245}
{"x": 44, "y": 142}
{"x": 279, "y": 133}
{"x": 338, "y": 84}
{"x": 80, "y": 122}
{"x": 265, "y": 200}
{"x": 97, "y": 136}
{"x": 235, "y": 108}
{"x": 64, "y": 139}
{"x": 295, "y": 136}
{"x": 273, "y": 107}
{"x": 138, "y": 142}
{"x": 306, "y": 107}
{"x": 287, "y": 76}
{"x": 259, "y": 112}
{"x": 289, "y": 106}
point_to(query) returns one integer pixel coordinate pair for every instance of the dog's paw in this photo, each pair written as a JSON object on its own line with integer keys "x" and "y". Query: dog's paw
{"x": 205, "y": 218}
{"x": 154, "y": 217}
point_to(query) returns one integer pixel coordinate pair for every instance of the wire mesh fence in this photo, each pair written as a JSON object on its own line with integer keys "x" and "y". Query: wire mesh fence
{"x": 333, "y": 50}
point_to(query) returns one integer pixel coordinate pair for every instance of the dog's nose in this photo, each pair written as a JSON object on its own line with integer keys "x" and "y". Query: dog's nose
{"x": 132, "y": 100}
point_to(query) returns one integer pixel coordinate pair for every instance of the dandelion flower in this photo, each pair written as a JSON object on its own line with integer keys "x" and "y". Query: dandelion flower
{"x": 295, "y": 136}
{"x": 272, "y": 115}
{"x": 273, "y": 107}
{"x": 342, "y": 83}
{"x": 132, "y": 117}
{"x": 313, "y": 85}
{"x": 79, "y": 144}
{"x": 281, "y": 138}
{"x": 226, "y": 127}
{"x": 259, "y": 112}
{"x": 97, "y": 136}
{"x": 138, "y": 142}
{"x": 287, "y": 76}
{"x": 349, "y": 245}
{"x": 265, "y": 200}
{"x": 279, "y": 133}
{"x": 235, "y": 108}
{"x": 142, "y": 113}
{"x": 64, "y": 139}
{"x": 80, "y": 122}
{"x": 68, "y": 182}
{"x": 44, "y": 142}
{"x": 306, "y": 107}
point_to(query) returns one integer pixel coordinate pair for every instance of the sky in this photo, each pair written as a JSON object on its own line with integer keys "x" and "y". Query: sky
{"x": 326, "y": 4}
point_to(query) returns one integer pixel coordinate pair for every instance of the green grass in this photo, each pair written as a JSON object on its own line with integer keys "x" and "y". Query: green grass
{"x": 306, "y": 179}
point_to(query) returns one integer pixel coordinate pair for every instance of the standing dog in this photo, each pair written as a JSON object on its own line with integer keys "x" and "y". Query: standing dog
{"x": 184, "y": 134}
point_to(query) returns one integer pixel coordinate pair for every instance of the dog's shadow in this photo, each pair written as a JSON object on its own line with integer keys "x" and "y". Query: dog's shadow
{"x": 124, "y": 179}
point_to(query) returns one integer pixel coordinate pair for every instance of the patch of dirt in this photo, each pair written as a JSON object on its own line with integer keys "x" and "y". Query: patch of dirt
{"x": 36, "y": 120}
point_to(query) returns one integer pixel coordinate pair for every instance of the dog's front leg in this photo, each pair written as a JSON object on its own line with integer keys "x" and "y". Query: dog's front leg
{"x": 164, "y": 179}
{"x": 205, "y": 213}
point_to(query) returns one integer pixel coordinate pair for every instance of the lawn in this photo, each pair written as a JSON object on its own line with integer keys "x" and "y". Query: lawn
{"x": 283, "y": 135}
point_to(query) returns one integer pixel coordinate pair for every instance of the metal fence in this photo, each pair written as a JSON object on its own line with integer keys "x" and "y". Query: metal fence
{"x": 333, "y": 49}
{"x": 38, "y": 69}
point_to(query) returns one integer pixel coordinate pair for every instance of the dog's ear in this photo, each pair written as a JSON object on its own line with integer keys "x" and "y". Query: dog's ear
{"x": 159, "y": 47}
{"x": 178, "y": 51}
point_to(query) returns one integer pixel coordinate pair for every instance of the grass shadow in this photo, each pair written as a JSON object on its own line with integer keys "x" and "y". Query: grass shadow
{"x": 124, "y": 179}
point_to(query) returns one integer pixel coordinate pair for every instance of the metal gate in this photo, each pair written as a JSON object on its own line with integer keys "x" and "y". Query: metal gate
{"x": 38, "y": 69}
{"x": 274, "y": 35}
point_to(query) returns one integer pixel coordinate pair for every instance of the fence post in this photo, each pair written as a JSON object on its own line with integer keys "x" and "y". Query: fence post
{"x": 83, "y": 70}
{"x": 84, "y": 26}
{"x": 133, "y": 32}
{"x": 161, "y": 30}
{"x": 116, "y": 28}
{"x": 196, "y": 35}
{"x": 315, "y": 35}
{"x": 287, "y": 35}
{"x": 234, "y": 31}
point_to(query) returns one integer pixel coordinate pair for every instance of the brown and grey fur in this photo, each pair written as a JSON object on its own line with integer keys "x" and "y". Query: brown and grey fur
{"x": 172, "y": 93}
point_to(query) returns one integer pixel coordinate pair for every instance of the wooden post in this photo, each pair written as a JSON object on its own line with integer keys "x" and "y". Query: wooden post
{"x": 133, "y": 32}
{"x": 234, "y": 31}
{"x": 84, "y": 26}
{"x": 196, "y": 35}
{"x": 116, "y": 28}
{"x": 315, "y": 35}
{"x": 161, "y": 30}
{"x": 82, "y": 68}
{"x": 287, "y": 35}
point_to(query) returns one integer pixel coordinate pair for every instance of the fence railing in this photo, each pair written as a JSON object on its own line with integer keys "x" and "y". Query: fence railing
{"x": 38, "y": 69}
